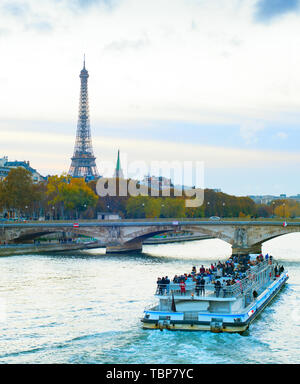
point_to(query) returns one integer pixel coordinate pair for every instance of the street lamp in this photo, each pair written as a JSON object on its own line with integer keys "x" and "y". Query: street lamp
{"x": 208, "y": 210}
{"x": 223, "y": 209}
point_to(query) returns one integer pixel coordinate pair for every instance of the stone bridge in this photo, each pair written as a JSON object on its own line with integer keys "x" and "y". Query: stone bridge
{"x": 123, "y": 235}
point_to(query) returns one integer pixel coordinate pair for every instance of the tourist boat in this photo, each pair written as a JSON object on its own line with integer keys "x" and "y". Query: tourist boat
{"x": 229, "y": 308}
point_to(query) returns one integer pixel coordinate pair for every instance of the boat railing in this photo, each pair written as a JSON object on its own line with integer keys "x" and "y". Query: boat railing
{"x": 256, "y": 277}
{"x": 194, "y": 291}
{"x": 151, "y": 306}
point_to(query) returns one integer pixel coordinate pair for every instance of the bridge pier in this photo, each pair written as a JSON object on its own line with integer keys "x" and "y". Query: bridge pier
{"x": 245, "y": 251}
{"x": 136, "y": 246}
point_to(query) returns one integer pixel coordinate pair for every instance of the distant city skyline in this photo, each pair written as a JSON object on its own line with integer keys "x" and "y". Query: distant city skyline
{"x": 213, "y": 80}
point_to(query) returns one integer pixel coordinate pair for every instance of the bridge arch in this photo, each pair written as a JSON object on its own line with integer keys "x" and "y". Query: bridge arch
{"x": 27, "y": 235}
{"x": 147, "y": 235}
{"x": 275, "y": 236}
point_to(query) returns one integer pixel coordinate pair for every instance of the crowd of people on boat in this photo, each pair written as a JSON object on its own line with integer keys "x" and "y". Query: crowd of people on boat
{"x": 221, "y": 275}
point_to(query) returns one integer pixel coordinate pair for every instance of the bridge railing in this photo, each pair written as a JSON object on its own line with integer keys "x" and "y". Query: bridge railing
{"x": 206, "y": 220}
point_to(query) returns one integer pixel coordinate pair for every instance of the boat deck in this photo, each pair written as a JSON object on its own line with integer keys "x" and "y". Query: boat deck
{"x": 257, "y": 279}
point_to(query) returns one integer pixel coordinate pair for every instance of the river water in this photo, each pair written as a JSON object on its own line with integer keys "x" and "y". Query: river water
{"x": 86, "y": 308}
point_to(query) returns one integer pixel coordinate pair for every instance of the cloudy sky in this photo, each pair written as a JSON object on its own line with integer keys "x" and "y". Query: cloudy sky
{"x": 188, "y": 80}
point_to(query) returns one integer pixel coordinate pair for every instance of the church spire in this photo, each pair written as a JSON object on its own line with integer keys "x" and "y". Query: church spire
{"x": 118, "y": 171}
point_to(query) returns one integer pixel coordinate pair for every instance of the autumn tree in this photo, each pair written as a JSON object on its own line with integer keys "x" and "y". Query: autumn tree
{"x": 2, "y": 196}
{"x": 18, "y": 192}
{"x": 71, "y": 194}
{"x": 263, "y": 210}
{"x": 56, "y": 203}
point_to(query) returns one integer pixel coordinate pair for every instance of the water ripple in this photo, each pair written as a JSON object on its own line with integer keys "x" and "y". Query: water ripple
{"x": 86, "y": 308}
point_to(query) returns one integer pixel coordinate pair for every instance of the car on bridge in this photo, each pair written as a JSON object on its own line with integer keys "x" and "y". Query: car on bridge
{"x": 214, "y": 218}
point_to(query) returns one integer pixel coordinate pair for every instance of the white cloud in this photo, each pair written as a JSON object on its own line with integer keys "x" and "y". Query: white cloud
{"x": 282, "y": 135}
{"x": 250, "y": 130}
{"x": 39, "y": 148}
{"x": 225, "y": 65}
{"x": 197, "y": 61}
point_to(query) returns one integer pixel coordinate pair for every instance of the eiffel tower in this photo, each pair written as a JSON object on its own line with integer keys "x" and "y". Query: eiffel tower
{"x": 83, "y": 160}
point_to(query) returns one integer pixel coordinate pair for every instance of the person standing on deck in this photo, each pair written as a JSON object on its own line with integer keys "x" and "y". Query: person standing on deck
{"x": 163, "y": 285}
{"x": 217, "y": 287}
{"x": 198, "y": 286}
{"x": 202, "y": 286}
{"x": 219, "y": 271}
{"x": 159, "y": 286}
{"x": 182, "y": 287}
{"x": 167, "y": 282}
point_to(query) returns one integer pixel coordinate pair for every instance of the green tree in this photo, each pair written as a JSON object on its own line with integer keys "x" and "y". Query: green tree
{"x": 172, "y": 207}
{"x": 135, "y": 207}
{"x": 152, "y": 207}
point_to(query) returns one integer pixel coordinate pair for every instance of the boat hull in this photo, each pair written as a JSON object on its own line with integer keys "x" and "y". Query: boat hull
{"x": 194, "y": 327}
{"x": 215, "y": 322}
